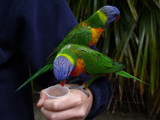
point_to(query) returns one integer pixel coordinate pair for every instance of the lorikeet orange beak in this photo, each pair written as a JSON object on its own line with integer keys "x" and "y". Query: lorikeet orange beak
{"x": 63, "y": 83}
{"x": 118, "y": 17}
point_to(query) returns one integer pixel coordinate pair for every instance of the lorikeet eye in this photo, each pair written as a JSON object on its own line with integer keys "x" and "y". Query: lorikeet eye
{"x": 115, "y": 15}
{"x": 118, "y": 17}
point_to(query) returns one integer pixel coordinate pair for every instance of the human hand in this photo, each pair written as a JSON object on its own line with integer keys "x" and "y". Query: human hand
{"x": 75, "y": 105}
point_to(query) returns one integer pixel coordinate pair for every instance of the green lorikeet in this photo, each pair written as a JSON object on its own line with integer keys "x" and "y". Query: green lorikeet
{"x": 85, "y": 33}
{"x": 88, "y": 64}
{"x": 89, "y": 31}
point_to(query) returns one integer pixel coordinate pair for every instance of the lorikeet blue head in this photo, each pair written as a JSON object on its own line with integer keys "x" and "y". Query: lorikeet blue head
{"x": 111, "y": 12}
{"x": 62, "y": 68}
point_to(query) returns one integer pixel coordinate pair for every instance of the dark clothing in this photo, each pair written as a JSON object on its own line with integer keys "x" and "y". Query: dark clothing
{"x": 29, "y": 31}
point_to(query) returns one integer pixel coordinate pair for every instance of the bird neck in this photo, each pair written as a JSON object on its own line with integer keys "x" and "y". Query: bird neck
{"x": 68, "y": 57}
{"x": 97, "y": 20}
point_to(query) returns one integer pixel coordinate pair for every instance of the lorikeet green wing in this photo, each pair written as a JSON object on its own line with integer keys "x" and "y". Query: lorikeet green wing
{"x": 96, "y": 62}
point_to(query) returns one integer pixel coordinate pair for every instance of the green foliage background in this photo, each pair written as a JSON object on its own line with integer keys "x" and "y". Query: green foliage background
{"x": 135, "y": 41}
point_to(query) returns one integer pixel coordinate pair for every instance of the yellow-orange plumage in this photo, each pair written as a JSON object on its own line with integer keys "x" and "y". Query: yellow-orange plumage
{"x": 96, "y": 33}
{"x": 79, "y": 68}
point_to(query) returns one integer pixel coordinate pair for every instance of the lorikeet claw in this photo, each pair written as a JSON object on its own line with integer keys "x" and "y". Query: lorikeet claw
{"x": 82, "y": 88}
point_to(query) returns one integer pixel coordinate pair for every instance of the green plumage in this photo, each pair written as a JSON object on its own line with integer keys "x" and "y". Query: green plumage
{"x": 96, "y": 63}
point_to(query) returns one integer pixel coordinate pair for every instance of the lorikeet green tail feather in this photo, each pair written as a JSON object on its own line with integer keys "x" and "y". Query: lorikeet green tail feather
{"x": 121, "y": 73}
{"x": 127, "y": 75}
{"x": 39, "y": 72}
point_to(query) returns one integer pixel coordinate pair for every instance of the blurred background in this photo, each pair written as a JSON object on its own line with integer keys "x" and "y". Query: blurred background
{"x": 135, "y": 41}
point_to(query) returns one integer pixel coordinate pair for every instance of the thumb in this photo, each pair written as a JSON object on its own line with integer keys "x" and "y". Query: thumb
{"x": 42, "y": 98}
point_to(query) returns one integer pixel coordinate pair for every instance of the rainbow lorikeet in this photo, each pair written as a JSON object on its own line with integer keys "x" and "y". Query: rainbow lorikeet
{"x": 85, "y": 33}
{"x": 85, "y": 63}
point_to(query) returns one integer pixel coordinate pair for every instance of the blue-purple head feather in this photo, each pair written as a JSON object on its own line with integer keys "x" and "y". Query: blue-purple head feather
{"x": 62, "y": 68}
{"x": 111, "y": 12}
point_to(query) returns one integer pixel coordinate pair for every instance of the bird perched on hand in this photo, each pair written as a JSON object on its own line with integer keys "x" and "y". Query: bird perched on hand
{"x": 86, "y": 33}
{"x": 88, "y": 64}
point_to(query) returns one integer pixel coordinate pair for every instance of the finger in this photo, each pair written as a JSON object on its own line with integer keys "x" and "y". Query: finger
{"x": 42, "y": 98}
{"x": 64, "y": 115}
{"x": 66, "y": 102}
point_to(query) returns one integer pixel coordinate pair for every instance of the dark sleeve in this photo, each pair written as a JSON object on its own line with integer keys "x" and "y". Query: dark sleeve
{"x": 8, "y": 15}
{"x": 102, "y": 93}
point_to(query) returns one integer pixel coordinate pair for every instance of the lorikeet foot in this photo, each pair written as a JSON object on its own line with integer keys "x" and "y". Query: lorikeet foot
{"x": 82, "y": 88}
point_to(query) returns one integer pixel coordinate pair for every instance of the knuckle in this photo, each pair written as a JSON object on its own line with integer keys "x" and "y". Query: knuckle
{"x": 54, "y": 106}
{"x": 78, "y": 101}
